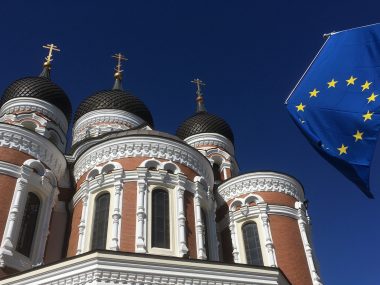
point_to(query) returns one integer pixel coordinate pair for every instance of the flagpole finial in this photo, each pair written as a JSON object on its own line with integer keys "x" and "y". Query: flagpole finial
{"x": 199, "y": 99}
{"x": 48, "y": 59}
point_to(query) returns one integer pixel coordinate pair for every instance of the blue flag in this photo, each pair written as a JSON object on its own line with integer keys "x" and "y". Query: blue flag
{"x": 336, "y": 103}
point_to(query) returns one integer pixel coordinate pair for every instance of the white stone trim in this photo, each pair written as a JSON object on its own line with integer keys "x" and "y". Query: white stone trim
{"x": 35, "y": 145}
{"x": 303, "y": 224}
{"x": 199, "y": 226}
{"x": 111, "y": 118}
{"x": 112, "y": 183}
{"x": 260, "y": 182}
{"x": 181, "y": 216}
{"x": 29, "y": 104}
{"x": 107, "y": 268}
{"x": 144, "y": 146}
{"x": 10, "y": 169}
{"x": 210, "y": 139}
{"x": 33, "y": 177}
{"x": 141, "y": 210}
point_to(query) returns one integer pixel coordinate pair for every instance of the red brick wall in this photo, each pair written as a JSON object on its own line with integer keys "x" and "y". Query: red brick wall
{"x": 190, "y": 224}
{"x": 290, "y": 253}
{"x": 7, "y": 190}
{"x": 13, "y": 156}
{"x": 74, "y": 234}
{"x": 128, "y": 220}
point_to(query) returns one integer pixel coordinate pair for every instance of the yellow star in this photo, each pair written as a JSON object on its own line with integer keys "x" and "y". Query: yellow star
{"x": 300, "y": 107}
{"x": 366, "y": 85}
{"x": 351, "y": 80}
{"x": 358, "y": 136}
{"x": 314, "y": 93}
{"x": 372, "y": 98}
{"x": 332, "y": 83}
{"x": 342, "y": 149}
{"x": 367, "y": 116}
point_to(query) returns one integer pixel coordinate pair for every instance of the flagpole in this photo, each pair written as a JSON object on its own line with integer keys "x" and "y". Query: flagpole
{"x": 303, "y": 75}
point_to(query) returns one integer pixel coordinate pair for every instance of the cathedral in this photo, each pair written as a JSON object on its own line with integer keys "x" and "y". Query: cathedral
{"x": 119, "y": 202}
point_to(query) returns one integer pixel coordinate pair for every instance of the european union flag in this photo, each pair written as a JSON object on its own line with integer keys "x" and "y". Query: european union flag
{"x": 336, "y": 103}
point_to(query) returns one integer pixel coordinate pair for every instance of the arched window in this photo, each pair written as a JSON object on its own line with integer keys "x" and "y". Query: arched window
{"x": 205, "y": 234}
{"x": 160, "y": 219}
{"x": 252, "y": 244}
{"x": 99, "y": 229}
{"x": 217, "y": 175}
{"x": 28, "y": 225}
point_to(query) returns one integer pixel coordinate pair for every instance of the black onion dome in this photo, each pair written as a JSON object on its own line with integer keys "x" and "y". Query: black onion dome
{"x": 40, "y": 88}
{"x": 203, "y": 122}
{"x": 114, "y": 99}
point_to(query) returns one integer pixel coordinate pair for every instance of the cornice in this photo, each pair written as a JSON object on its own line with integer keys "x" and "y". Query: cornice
{"x": 28, "y": 104}
{"x": 260, "y": 182}
{"x": 35, "y": 145}
{"x": 132, "y": 269}
{"x": 144, "y": 146}
{"x": 207, "y": 139}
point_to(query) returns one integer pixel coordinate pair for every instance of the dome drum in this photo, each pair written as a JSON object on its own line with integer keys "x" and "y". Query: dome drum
{"x": 99, "y": 122}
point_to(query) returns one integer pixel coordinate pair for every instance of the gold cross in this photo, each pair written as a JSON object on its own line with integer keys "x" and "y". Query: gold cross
{"x": 49, "y": 58}
{"x": 199, "y": 83}
{"x": 119, "y": 58}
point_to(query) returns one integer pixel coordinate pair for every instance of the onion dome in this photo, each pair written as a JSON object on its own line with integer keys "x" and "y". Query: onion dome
{"x": 39, "y": 87}
{"x": 203, "y": 122}
{"x": 116, "y": 98}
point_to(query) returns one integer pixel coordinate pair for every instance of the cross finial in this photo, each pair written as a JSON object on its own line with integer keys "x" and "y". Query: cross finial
{"x": 200, "y": 104}
{"x": 118, "y": 70}
{"x": 199, "y": 83}
{"x": 49, "y": 58}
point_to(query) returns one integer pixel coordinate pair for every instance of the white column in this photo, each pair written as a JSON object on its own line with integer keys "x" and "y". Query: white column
{"x": 16, "y": 211}
{"x": 263, "y": 208}
{"x": 83, "y": 220}
{"x": 201, "y": 252}
{"x": 213, "y": 245}
{"x": 303, "y": 223}
{"x": 235, "y": 250}
{"x": 116, "y": 215}
{"x": 181, "y": 218}
{"x": 141, "y": 210}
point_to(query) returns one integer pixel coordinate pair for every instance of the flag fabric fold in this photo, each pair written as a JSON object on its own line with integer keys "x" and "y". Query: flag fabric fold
{"x": 336, "y": 104}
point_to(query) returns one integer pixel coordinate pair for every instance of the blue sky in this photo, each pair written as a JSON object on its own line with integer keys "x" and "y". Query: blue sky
{"x": 249, "y": 53}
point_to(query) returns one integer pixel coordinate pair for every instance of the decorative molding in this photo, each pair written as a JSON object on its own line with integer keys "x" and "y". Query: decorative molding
{"x": 141, "y": 210}
{"x": 29, "y": 104}
{"x": 98, "y": 122}
{"x": 10, "y": 169}
{"x": 33, "y": 177}
{"x": 260, "y": 182}
{"x": 181, "y": 215}
{"x": 210, "y": 139}
{"x": 303, "y": 224}
{"x": 144, "y": 146}
{"x": 44, "y": 127}
{"x": 134, "y": 269}
{"x": 35, "y": 145}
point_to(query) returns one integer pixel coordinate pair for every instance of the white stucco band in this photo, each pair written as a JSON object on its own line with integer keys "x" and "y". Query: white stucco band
{"x": 28, "y": 104}
{"x": 144, "y": 146}
{"x": 207, "y": 139}
{"x": 109, "y": 268}
{"x": 33, "y": 144}
{"x": 261, "y": 182}
{"x": 97, "y": 122}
